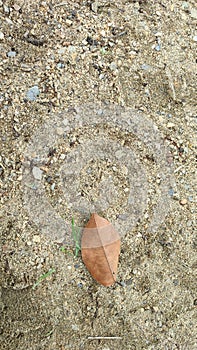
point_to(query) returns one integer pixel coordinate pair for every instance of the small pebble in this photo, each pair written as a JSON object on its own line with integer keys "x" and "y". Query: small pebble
{"x": 53, "y": 187}
{"x": 94, "y": 6}
{"x": 170, "y": 125}
{"x": 183, "y": 201}
{"x": 60, "y": 65}
{"x": 6, "y": 9}
{"x": 75, "y": 327}
{"x": 195, "y": 38}
{"x": 171, "y": 192}
{"x": 68, "y": 22}
{"x": 11, "y": 54}
{"x": 100, "y": 112}
{"x": 123, "y": 284}
{"x": 49, "y": 179}
{"x": 193, "y": 13}
{"x": 65, "y": 121}
{"x": 62, "y": 156}
{"x": 126, "y": 190}
{"x": 33, "y": 93}
{"x": 113, "y": 66}
{"x": 37, "y": 173}
{"x": 16, "y": 7}
{"x": 185, "y": 5}
{"x": 1, "y": 36}
{"x": 158, "y": 47}
{"x": 36, "y": 239}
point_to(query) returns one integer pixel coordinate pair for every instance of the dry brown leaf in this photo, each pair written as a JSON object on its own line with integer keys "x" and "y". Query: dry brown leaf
{"x": 100, "y": 246}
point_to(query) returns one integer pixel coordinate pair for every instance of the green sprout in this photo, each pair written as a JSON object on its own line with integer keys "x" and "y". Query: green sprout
{"x": 66, "y": 250}
{"x": 42, "y": 277}
{"x": 76, "y": 237}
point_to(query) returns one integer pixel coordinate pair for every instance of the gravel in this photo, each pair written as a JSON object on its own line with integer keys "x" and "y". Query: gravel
{"x": 59, "y": 63}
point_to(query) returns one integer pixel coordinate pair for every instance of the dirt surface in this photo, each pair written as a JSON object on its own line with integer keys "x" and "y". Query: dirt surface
{"x": 98, "y": 107}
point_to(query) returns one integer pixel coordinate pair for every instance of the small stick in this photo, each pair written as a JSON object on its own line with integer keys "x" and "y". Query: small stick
{"x": 100, "y": 338}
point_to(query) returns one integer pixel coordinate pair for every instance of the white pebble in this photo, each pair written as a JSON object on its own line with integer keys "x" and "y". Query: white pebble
{"x": 36, "y": 239}
{"x": 37, "y": 173}
{"x": 170, "y": 125}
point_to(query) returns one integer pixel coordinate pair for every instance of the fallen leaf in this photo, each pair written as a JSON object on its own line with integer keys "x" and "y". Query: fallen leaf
{"x": 100, "y": 247}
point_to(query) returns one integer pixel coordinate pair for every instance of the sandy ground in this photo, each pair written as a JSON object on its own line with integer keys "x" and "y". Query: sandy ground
{"x": 98, "y": 107}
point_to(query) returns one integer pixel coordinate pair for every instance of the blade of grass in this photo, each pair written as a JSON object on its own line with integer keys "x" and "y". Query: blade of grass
{"x": 76, "y": 237}
{"x": 42, "y": 277}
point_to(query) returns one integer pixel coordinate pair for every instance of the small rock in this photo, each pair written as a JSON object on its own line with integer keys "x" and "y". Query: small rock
{"x": 100, "y": 112}
{"x": 113, "y": 66}
{"x": 71, "y": 49}
{"x": 123, "y": 284}
{"x": 185, "y": 6}
{"x": 60, "y": 65}
{"x": 37, "y": 173}
{"x": 6, "y": 9}
{"x": 94, "y": 6}
{"x": 11, "y": 54}
{"x": 170, "y": 125}
{"x": 183, "y": 201}
{"x": 171, "y": 192}
{"x": 62, "y": 156}
{"x": 126, "y": 190}
{"x": 25, "y": 67}
{"x": 33, "y": 93}
{"x": 68, "y": 22}
{"x": 194, "y": 38}
{"x": 193, "y": 13}
{"x": 49, "y": 179}
{"x": 1, "y": 36}
{"x": 65, "y": 121}
{"x": 53, "y": 187}
{"x": 75, "y": 327}
{"x": 16, "y": 7}
{"x": 158, "y": 47}
{"x": 155, "y": 308}
{"x": 36, "y": 239}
